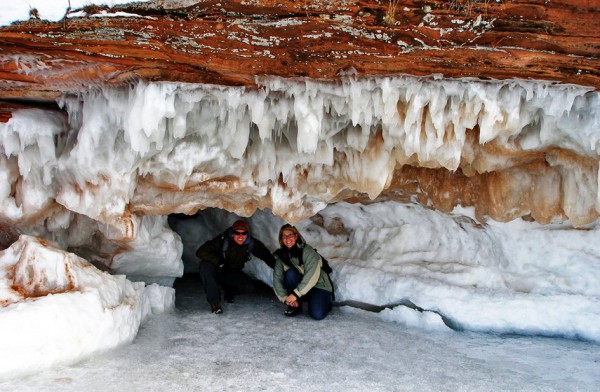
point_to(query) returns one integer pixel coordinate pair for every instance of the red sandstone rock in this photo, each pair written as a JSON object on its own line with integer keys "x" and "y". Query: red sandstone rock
{"x": 231, "y": 42}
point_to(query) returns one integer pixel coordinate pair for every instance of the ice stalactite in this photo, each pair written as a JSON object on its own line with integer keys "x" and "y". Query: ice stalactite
{"x": 294, "y": 145}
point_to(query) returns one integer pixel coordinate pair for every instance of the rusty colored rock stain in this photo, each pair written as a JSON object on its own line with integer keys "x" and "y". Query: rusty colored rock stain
{"x": 70, "y": 277}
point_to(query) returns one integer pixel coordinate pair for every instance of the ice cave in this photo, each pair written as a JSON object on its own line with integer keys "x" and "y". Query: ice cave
{"x": 434, "y": 187}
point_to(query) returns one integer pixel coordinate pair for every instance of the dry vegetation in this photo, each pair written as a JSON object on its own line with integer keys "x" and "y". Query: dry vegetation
{"x": 390, "y": 14}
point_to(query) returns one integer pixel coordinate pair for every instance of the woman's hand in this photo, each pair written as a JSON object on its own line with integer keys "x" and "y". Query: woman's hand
{"x": 292, "y": 300}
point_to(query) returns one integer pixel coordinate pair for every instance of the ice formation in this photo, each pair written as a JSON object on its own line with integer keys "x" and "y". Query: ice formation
{"x": 114, "y": 156}
{"x": 98, "y": 175}
{"x": 515, "y": 277}
{"x": 427, "y": 269}
{"x": 82, "y": 310}
{"x": 473, "y": 201}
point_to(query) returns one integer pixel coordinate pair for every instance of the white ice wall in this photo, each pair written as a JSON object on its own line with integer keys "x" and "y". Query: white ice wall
{"x": 176, "y": 132}
{"x": 91, "y": 162}
{"x": 171, "y": 130}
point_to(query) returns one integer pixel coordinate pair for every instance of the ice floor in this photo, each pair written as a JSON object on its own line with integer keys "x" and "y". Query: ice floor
{"x": 253, "y": 347}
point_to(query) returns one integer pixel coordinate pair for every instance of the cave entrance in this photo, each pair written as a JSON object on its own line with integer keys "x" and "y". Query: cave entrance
{"x": 196, "y": 229}
{"x": 207, "y": 224}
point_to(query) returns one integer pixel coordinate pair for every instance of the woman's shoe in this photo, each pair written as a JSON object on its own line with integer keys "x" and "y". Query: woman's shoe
{"x": 292, "y": 312}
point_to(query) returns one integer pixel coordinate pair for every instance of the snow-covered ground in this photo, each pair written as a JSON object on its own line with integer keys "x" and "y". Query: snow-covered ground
{"x": 253, "y": 347}
{"x": 431, "y": 275}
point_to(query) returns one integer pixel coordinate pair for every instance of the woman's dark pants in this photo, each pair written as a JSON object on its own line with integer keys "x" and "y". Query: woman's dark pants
{"x": 319, "y": 300}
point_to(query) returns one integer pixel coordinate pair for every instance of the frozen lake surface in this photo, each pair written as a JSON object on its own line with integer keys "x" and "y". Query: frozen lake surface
{"x": 253, "y": 347}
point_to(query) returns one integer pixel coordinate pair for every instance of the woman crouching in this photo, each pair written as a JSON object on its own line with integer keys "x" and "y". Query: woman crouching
{"x": 298, "y": 276}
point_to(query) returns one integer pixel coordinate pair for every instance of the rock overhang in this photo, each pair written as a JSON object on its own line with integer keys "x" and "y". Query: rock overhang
{"x": 228, "y": 44}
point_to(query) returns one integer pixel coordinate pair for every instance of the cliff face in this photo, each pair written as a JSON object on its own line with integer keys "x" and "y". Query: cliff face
{"x": 293, "y": 105}
{"x": 228, "y": 43}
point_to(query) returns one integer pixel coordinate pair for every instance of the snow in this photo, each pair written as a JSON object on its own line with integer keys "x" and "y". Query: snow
{"x": 57, "y": 307}
{"x": 252, "y": 347}
{"x": 52, "y": 10}
{"x": 428, "y": 276}
{"x": 159, "y": 248}
{"x": 425, "y": 300}
{"x": 420, "y": 269}
{"x": 517, "y": 277}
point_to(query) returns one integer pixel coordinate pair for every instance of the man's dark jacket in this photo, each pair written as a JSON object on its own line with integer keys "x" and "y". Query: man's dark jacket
{"x": 235, "y": 255}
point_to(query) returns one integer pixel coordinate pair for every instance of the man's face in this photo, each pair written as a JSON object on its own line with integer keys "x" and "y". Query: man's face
{"x": 239, "y": 236}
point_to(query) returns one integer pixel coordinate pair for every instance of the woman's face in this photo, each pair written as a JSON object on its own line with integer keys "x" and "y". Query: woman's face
{"x": 288, "y": 238}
